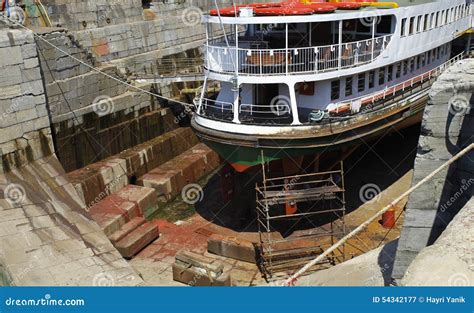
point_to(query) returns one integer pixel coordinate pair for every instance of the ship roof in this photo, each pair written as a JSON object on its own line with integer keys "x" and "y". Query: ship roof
{"x": 338, "y": 14}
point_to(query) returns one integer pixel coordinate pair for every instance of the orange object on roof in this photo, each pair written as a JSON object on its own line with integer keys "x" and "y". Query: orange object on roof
{"x": 284, "y": 11}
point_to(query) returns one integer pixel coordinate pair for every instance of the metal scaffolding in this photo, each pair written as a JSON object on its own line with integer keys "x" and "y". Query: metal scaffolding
{"x": 309, "y": 197}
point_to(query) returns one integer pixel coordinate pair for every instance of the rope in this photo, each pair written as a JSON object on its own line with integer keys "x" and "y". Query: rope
{"x": 100, "y": 71}
{"x": 292, "y": 280}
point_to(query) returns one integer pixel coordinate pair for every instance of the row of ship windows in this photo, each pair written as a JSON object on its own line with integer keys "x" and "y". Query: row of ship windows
{"x": 394, "y": 71}
{"x": 421, "y": 23}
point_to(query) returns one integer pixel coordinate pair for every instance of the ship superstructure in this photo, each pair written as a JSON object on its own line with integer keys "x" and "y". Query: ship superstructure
{"x": 301, "y": 77}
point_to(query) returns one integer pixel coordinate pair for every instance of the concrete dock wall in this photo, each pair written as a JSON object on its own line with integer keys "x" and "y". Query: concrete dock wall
{"x": 448, "y": 127}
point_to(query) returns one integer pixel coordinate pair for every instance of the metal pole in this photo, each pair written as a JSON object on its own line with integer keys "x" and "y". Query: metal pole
{"x": 286, "y": 47}
{"x": 339, "y": 63}
{"x": 237, "y": 50}
{"x": 373, "y": 36}
{"x": 292, "y": 280}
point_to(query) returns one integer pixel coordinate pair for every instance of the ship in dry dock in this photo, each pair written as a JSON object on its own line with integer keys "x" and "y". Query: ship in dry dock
{"x": 302, "y": 78}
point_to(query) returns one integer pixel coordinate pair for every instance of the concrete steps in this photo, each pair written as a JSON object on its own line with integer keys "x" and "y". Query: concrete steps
{"x": 138, "y": 239}
{"x": 187, "y": 168}
{"x": 127, "y": 229}
{"x": 111, "y": 175}
{"x": 121, "y": 217}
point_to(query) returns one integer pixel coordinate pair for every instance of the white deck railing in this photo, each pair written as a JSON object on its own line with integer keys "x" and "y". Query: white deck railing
{"x": 357, "y": 104}
{"x": 252, "y": 114}
{"x": 266, "y": 62}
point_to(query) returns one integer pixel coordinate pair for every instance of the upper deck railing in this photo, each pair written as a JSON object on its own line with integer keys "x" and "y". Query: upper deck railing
{"x": 251, "y": 114}
{"x": 309, "y": 60}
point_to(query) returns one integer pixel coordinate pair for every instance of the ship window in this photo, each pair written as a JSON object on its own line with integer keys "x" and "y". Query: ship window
{"x": 335, "y": 89}
{"x": 384, "y": 25}
{"x": 446, "y": 14}
{"x": 412, "y": 64}
{"x": 390, "y": 73}
{"x": 451, "y": 15}
{"x": 371, "y": 79}
{"x": 403, "y": 29}
{"x": 361, "y": 82}
{"x": 428, "y": 59}
{"x": 382, "y": 76}
{"x": 418, "y": 24}
{"x": 425, "y": 23}
{"x": 423, "y": 59}
{"x": 412, "y": 25}
{"x": 432, "y": 24}
{"x": 418, "y": 62}
{"x": 349, "y": 86}
{"x": 399, "y": 70}
{"x": 405, "y": 67}
{"x": 437, "y": 19}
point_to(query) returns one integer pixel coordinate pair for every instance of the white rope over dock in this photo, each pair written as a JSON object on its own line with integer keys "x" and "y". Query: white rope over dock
{"x": 293, "y": 279}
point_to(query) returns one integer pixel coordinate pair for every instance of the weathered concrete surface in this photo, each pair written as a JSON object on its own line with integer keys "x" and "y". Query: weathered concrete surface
{"x": 448, "y": 127}
{"x": 96, "y": 181}
{"x": 25, "y": 135}
{"x": 370, "y": 269}
{"x": 170, "y": 178}
{"x": 45, "y": 236}
{"x": 450, "y": 260}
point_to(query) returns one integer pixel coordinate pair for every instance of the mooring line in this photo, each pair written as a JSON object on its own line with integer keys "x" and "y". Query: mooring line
{"x": 293, "y": 279}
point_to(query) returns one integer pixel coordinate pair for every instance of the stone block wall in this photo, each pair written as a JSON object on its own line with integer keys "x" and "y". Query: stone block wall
{"x": 78, "y": 14}
{"x": 448, "y": 127}
{"x": 25, "y": 133}
{"x": 94, "y": 116}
